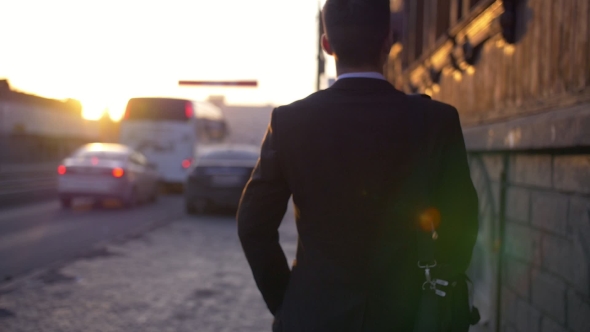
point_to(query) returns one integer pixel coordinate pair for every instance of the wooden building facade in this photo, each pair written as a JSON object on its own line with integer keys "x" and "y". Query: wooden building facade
{"x": 518, "y": 71}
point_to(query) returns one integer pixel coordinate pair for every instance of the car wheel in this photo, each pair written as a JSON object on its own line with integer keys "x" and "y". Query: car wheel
{"x": 66, "y": 203}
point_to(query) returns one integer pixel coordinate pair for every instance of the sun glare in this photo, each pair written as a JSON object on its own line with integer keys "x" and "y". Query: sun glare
{"x": 93, "y": 109}
{"x": 125, "y": 49}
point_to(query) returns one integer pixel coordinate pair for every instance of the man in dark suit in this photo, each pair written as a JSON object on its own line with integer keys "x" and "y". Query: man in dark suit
{"x": 349, "y": 156}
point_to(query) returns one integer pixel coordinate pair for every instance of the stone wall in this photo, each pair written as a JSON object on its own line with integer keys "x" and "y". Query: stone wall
{"x": 524, "y": 103}
{"x": 536, "y": 206}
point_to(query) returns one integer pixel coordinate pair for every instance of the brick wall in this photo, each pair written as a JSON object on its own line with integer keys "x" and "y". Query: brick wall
{"x": 544, "y": 223}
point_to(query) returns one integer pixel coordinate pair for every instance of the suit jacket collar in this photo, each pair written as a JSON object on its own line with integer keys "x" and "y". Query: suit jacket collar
{"x": 365, "y": 74}
{"x": 362, "y": 83}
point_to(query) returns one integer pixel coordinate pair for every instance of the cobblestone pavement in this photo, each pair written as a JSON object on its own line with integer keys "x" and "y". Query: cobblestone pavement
{"x": 190, "y": 275}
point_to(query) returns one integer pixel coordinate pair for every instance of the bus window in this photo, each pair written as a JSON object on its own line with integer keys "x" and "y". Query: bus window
{"x": 163, "y": 109}
{"x": 216, "y": 130}
{"x": 213, "y": 131}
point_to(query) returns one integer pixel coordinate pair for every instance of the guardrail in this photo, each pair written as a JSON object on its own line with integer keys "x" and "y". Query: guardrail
{"x": 25, "y": 183}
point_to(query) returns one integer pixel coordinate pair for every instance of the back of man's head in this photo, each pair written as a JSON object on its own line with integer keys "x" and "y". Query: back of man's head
{"x": 357, "y": 30}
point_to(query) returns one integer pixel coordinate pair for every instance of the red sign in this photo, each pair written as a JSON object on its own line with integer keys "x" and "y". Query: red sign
{"x": 220, "y": 83}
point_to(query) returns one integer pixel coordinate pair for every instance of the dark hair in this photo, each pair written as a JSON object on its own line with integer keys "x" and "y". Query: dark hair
{"x": 357, "y": 29}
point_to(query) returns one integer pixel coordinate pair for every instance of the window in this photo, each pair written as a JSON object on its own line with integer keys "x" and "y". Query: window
{"x": 397, "y": 25}
{"x": 419, "y": 46}
{"x": 443, "y": 21}
{"x": 156, "y": 109}
{"x": 100, "y": 155}
{"x": 459, "y": 9}
{"x": 473, "y": 3}
{"x": 427, "y": 21}
{"x": 138, "y": 159}
{"x": 209, "y": 130}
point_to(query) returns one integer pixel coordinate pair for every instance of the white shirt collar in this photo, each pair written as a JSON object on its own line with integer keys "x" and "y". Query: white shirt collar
{"x": 366, "y": 74}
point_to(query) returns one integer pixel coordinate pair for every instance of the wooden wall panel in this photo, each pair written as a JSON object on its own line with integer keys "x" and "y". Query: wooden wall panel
{"x": 569, "y": 41}
{"x": 551, "y": 60}
{"x": 582, "y": 51}
{"x": 545, "y": 45}
{"x": 585, "y": 38}
{"x": 528, "y": 53}
{"x": 535, "y": 48}
{"x": 557, "y": 49}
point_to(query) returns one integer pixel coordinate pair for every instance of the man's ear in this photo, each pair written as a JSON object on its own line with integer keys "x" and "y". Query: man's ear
{"x": 326, "y": 45}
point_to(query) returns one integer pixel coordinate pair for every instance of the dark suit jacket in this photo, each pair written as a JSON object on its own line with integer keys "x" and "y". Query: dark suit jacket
{"x": 346, "y": 155}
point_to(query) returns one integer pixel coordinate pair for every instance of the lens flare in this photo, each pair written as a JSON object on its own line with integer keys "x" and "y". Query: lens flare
{"x": 430, "y": 219}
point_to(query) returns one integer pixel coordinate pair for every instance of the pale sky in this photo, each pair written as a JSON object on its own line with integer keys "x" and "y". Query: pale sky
{"x": 105, "y": 52}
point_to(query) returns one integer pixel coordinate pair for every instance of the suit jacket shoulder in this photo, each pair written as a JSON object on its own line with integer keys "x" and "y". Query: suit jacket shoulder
{"x": 307, "y": 102}
{"x": 439, "y": 112}
{"x": 441, "y": 118}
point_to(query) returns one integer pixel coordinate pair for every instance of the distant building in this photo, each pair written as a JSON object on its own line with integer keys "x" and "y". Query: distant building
{"x": 7, "y": 95}
{"x": 217, "y": 100}
{"x": 36, "y": 129}
{"x": 247, "y": 124}
{"x": 519, "y": 74}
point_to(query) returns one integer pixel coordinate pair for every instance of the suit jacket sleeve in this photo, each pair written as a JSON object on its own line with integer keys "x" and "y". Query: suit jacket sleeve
{"x": 456, "y": 198}
{"x": 262, "y": 207}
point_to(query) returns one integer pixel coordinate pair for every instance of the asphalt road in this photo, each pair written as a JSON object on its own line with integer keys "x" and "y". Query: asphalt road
{"x": 188, "y": 275}
{"x": 38, "y": 235}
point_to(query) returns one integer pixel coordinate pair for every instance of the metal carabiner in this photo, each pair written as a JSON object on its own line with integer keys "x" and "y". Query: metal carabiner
{"x": 427, "y": 266}
{"x": 432, "y": 285}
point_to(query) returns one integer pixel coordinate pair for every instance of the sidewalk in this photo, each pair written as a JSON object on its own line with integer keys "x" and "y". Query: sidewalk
{"x": 188, "y": 276}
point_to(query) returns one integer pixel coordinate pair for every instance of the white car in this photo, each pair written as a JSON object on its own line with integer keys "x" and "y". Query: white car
{"x": 105, "y": 170}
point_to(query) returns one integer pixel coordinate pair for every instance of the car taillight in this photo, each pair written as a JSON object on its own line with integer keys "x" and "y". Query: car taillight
{"x": 188, "y": 110}
{"x": 61, "y": 170}
{"x": 118, "y": 172}
{"x": 186, "y": 163}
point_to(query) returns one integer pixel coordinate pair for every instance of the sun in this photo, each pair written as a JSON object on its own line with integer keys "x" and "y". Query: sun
{"x": 92, "y": 110}
{"x": 95, "y": 109}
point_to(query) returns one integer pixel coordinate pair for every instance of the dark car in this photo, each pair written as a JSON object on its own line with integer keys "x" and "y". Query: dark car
{"x": 218, "y": 177}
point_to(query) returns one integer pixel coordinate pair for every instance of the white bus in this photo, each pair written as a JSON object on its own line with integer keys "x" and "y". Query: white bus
{"x": 169, "y": 132}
